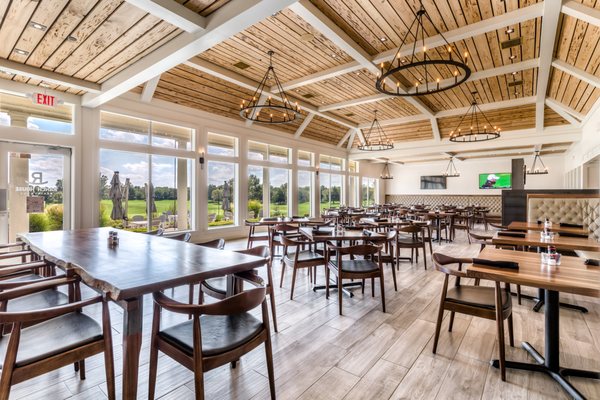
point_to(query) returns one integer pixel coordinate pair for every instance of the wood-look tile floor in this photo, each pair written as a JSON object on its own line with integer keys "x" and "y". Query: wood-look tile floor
{"x": 364, "y": 354}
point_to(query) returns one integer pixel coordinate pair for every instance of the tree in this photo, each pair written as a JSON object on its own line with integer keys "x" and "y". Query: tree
{"x": 217, "y": 197}
{"x": 103, "y": 186}
{"x": 255, "y": 188}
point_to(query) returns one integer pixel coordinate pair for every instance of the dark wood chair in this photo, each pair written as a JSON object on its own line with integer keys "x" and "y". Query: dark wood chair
{"x": 296, "y": 258}
{"x": 427, "y": 233}
{"x": 365, "y": 268}
{"x": 184, "y": 237}
{"x": 66, "y": 336}
{"x": 479, "y": 301}
{"x": 277, "y": 232}
{"x": 389, "y": 255}
{"x": 218, "y": 244}
{"x": 156, "y": 232}
{"x": 219, "y": 333}
{"x": 412, "y": 237}
{"x": 460, "y": 221}
{"x": 253, "y": 236}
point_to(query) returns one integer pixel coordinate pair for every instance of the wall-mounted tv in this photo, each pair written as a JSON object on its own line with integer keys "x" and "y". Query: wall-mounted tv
{"x": 433, "y": 182}
{"x": 496, "y": 180}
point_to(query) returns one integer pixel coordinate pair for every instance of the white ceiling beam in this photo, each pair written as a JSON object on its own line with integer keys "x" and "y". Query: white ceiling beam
{"x": 172, "y": 12}
{"x": 41, "y": 74}
{"x": 361, "y": 136}
{"x": 595, "y": 109}
{"x": 227, "y": 21}
{"x": 240, "y": 80}
{"x": 471, "y": 30}
{"x": 355, "y": 102}
{"x": 567, "y": 113}
{"x": 581, "y": 12}
{"x": 321, "y": 76}
{"x": 261, "y": 101}
{"x": 520, "y": 138}
{"x": 576, "y": 72}
{"x": 351, "y": 140}
{"x": 345, "y": 137}
{"x": 303, "y": 125}
{"x": 149, "y": 89}
{"x": 547, "y": 39}
{"x": 437, "y": 136}
{"x": 311, "y": 14}
{"x": 397, "y": 121}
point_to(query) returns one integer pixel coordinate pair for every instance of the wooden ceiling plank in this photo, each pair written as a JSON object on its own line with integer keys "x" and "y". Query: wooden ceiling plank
{"x": 173, "y": 13}
{"x": 227, "y": 21}
{"x": 576, "y": 72}
{"x": 15, "y": 21}
{"x": 582, "y": 12}
{"x": 322, "y": 75}
{"x": 304, "y": 124}
{"x": 547, "y": 41}
{"x": 28, "y": 71}
{"x": 567, "y": 113}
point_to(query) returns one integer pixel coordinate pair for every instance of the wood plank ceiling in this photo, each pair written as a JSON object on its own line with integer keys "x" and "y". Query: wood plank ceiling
{"x": 92, "y": 40}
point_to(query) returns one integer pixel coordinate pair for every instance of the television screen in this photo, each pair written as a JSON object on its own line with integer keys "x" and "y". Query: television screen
{"x": 433, "y": 182}
{"x": 496, "y": 180}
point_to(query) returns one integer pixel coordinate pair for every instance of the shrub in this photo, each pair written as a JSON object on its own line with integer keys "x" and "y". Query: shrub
{"x": 55, "y": 217}
{"x": 104, "y": 217}
{"x": 255, "y": 205}
{"x": 38, "y": 223}
{"x": 218, "y": 218}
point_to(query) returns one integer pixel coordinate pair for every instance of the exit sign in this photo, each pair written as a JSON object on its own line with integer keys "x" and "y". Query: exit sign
{"x": 44, "y": 99}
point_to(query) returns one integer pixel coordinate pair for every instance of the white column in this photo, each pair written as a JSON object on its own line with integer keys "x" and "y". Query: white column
{"x": 182, "y": 194}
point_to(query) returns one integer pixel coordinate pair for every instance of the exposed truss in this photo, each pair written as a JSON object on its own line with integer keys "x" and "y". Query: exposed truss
{"x": 173, "y": 13}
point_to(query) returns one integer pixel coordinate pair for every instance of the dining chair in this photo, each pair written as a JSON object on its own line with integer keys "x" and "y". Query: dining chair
{"x": 218, "y": 244}
{"x": 183, "y": 237}
{"x": 219, "y": 333}
{"x": 65, "y": 336}
{"x": 156, "y": 232}
{"x": 460, "y": 221}
{"x": 427, "y": 233}
{"x": 364, "y": 268}
{"x": 389, "y": 255}
{"x": 277, "y": 232}
{"x": 253, "y": 236}
{"x": 296, "y": 258}
{"x": 486, "y": 302}
{"x": 412, "y": 237}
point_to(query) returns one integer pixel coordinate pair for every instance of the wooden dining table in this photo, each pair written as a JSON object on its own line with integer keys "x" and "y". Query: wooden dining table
{"x": 139, "y": 265}
{"x": 286, "y": 220}
{"x": 533, "y": 238}
{"x": 571, "y": 276}
{"x": 534, "y": 226}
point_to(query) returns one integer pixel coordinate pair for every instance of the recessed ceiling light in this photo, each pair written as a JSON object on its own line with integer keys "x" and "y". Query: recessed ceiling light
{"x": 44, "y": 84}
{"x": 37, "y": 26}
{"x": 21, "y": 52}
{"x": 509, "y": 31}
{"x": 512, "y": 57}
{"x": 71, "y": 38}
{"x": 307, "y": 37}
{"x": 333, "y": 55}
{"x": 383, "y": 39}
{"x": 514, "y": 72}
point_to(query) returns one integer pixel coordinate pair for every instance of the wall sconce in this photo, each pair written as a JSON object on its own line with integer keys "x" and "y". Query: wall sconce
{"x": 201, "y": 160}
{"x": 317, "y": 171}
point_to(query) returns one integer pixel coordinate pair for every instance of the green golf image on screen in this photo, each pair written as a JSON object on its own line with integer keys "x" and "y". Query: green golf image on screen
{"x": 496, "y": 180}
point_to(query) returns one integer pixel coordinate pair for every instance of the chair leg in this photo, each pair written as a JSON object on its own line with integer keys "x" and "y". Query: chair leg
{"x": 191, "y": 297}
{"x": 500, "y": 326}
{"x": 438, "y": 325}
{"x": 424, "y": 256}
{"x": 271, "y": 296}
{"x": 362, "y": 287}
{"x": 269, "y": 356}
{"x": 519, "y": 294}
{"x": 82, "y": 370}
{"x": 382, "y": 284}
{"x": 282, "y": 271}
{"x": 394, "y": 277}
{"x": 326, "y": 282}
{"x": 372, "y": 287}
{"x": 451, "y": 324}
{"x": 294, "y": 270}
{"x": 511, "y": 335}
{"x": 340, "y": 293}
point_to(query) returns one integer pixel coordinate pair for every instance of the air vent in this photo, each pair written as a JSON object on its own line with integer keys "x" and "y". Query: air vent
{"x": 349, "y": 115}
{"x": 241, "y": 65}
{"x": 507, "y": 44}
{"x": 308, "y": 95}
{"x": 515, "y": 83}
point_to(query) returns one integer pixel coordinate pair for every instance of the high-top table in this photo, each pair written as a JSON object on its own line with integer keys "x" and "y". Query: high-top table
{"x": 140, "y": 264}
{"x": 533, "y": 226}
{"x": 572, "y": 276}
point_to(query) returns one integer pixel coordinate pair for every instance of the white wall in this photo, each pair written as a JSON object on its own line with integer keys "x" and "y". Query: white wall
{"x": 584, "y": 151}
{"x": 407, "y": 178}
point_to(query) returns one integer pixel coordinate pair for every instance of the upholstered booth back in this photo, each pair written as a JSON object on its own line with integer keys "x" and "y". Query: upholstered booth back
{"x": 574, "y": 209}
{"x": 494, "y": 203}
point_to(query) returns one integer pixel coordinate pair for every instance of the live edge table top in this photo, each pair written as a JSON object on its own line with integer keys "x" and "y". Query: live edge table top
{"x": 140, "y": 264}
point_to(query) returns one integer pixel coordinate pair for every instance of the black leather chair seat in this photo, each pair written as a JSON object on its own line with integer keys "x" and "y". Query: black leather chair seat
{"x": 44, "y": 299}
{"x": 477, "y": 296}
{"x": 359, "y": 266}
{"x": 409, "y": 240}
{"x": 220, "y": 333}
{"x": 218, "y": 284}
{"x": 53, "y": 337}
{"x": 305, "y": 256}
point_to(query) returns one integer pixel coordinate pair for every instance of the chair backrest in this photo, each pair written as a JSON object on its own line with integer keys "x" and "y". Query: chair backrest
{"x": 258, "y": 251}
{"x": 442, "y": 262}
{"x": 357, "y": 250}
{"x": 289, "y": 242}
{"x": 411, "y": 229}
{"x": 156, "y": 232}
{"x": 284, "y": 228}
{"x": 184, "y": 237}
{"x": 213, "y": 244}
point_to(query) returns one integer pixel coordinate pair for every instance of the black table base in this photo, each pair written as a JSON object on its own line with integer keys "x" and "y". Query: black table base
{"x": 345, "y": 287}
{"x": 539, "y": 302}
{"x": 551, "y": 363}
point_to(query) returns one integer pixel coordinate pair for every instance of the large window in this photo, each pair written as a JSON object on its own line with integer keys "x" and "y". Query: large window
{"x": 222, "y": 180}
{"x": 155, "y": 189}
{"x": 332, "y": 163}
{"x": 305, "y": 193}
{"x": 21, "y": 111}
{"x": 331, "y": 190}
{"x": 268, "y": 152}
{"x": 353, "y": 195}
{"x": 279, "y": 192}
{"x": 369, "y": 191}
{"x": 255, "y": 192}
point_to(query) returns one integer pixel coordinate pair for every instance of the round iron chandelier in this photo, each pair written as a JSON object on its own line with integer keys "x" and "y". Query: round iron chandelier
{"x": 451, "y": 171}
{"x": 262, "y": 108}
{"x": 479, "y": 128}
{"x": 385, "y": 173}
{"x": 375, "y": 138}
{"x": 535, "y": 170}
{"x": 433, "y": 72}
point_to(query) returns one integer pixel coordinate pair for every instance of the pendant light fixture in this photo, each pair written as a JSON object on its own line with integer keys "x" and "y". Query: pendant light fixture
{"x": 535, "y": 168}
{"x": 375, "y": 138}
{"x": 451, "y": 170}
{"x": 423, "y": 70}
{"x": 474, "y": 126}
{"x": 385, "y": 173}
{"x": 263, "y": 108}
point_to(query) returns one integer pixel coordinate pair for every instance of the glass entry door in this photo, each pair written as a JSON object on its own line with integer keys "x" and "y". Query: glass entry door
{"x": 34, "y": 189}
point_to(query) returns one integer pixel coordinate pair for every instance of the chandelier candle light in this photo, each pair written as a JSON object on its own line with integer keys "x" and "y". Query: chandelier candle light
{"x": 535, "y": 170}
{"x": 267, "y": 111}
{"x": 375, "y": 138}
{"x": 480, "y": 128}
{"x": 430, "y": 74}
{"x": 451, "y": 170}
{"x": 385, "y": 173}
